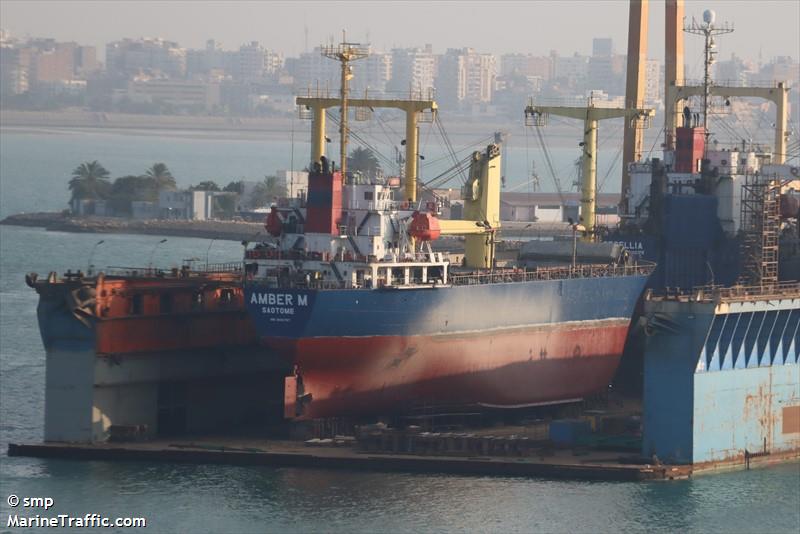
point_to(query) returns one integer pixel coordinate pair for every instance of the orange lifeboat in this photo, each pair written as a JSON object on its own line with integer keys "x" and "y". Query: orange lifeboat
{"x": 424, "y": 226}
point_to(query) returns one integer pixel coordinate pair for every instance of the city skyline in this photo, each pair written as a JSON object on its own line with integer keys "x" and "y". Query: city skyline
{"x": 764, "y": 29}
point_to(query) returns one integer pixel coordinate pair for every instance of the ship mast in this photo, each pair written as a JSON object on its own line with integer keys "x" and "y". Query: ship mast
{"x": 344, "y": 53}
{"x": 708, "y": 31}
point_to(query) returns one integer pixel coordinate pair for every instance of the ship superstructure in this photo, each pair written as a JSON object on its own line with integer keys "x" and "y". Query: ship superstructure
{"x": 721, "y": 382}
{"x": 689, "y": 210}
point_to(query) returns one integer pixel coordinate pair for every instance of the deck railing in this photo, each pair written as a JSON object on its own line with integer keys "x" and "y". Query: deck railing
{"x": 781, "y": 290}
{"x": 551, "y": 273}
{"x": 198, "y": 269}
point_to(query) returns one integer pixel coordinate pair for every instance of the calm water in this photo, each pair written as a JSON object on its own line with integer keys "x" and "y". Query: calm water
{"x": 232, "y": 499}
{"x": 36, "y": 165}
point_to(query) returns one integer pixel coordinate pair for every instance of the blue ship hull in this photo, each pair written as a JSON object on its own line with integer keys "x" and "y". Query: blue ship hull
{"x": 502, "y": 344}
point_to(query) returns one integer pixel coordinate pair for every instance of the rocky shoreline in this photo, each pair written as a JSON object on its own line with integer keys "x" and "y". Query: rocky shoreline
{"x": 221, "y": 230}
{"x": 58, "y": 222}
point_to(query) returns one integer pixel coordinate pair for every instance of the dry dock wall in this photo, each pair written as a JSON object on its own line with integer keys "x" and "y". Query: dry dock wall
{"x": 757, "y": 410}
{"x": 166, "y": 391}
{"x": 721, "y": 380}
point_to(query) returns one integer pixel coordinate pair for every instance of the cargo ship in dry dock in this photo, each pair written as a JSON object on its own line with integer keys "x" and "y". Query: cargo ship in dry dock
{"x": 350, "y": 292}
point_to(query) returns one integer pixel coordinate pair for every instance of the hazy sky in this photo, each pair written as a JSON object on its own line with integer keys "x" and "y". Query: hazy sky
{"x": 490, "y": 26}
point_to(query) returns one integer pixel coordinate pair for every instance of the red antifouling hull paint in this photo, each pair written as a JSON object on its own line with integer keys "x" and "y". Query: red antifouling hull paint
{"x": 172, "y": 332}
{"x": 389, "y": 374}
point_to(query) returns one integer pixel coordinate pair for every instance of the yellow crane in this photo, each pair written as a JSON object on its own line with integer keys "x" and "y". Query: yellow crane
{"x": 590, "y": 116}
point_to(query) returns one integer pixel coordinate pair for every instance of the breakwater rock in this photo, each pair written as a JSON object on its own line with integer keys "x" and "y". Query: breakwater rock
{"x": 59, "y": 222}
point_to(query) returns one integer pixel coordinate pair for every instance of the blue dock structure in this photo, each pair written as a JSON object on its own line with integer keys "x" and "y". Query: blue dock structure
{"x": 721, "y": 375}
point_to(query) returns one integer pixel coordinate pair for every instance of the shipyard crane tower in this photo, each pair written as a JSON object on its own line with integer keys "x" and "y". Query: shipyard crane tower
{"x": 633, "y": 137}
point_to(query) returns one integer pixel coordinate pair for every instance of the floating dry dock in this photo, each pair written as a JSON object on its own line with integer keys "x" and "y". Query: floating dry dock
{"x": 558, "y": 464}
{"x": 721, "y": 375}
{"x": 561, "y": 463}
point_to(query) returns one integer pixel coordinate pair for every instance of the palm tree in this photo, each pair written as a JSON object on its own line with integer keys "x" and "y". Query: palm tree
{"x": 364, "y": 161}
{"x": 90, "y": 181}
{"x": 207, "y": 185}
{"x": 160, "y": 173}
{"x": 265, "y": 192}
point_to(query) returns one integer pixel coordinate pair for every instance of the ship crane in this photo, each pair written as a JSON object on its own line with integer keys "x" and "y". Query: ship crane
{"x": 590, "y": 114}
{"x": 481, "y": 193}
{"x": 412, "y": 108}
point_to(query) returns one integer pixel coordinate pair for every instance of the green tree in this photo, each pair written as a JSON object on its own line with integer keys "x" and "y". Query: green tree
{"x": 164, "y": 179}
{"x": 363, "y": 160}
{"x": 235, "y": 187}
{"x": 90, "y": 181}
{"x": 207, "y": 185}
{"x": 129, "y": 188}
{"x": 265, "y": 192}
{"x": 223, "y": 206}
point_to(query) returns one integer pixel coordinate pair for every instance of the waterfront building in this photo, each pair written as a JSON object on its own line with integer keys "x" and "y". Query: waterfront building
{"x": 465, "y": 77}
{"x": 373, "y": 73}
{"x": 209, "y": 62}
{"x": 182, "y": 94}
{"x": 253, "y": 62}
{"x": 295, "y": 183}
{"x": 572, "y": 70}
{"x": 652, "y": 82}
{"x": 14, "y": 69}
{"x": 526, "y": 65}
{"x": 602, "y": 47}
{"x": 130, "y": 57}
{"x": 413, "y": 71}
{"x": 313, "y": 70}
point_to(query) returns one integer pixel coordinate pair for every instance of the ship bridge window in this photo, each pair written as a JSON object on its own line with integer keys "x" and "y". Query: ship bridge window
{"x": 368, "y": 195}
{"x": 137, "y": 304}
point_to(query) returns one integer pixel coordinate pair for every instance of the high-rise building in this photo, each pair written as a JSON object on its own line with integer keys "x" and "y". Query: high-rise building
{"x": 52, "y": 61}
{"x": 571, "y": 69}
{"x": 481, "y": 73}
{"x": 451, "y": 80}
{"x": 465, "y": 77}
{"x": 254, "y": 62}
{"x": 131, "y": 57}
{"x": 735, "y": 71}
{"x": 780, "y": 69}
{"x": 372, "y": 73}
{"x": 211, "y": 61}
{"x": 14, "y": 69}
{"x": 413, "y": 71}
{"x": 652, "y": 82}
{"x": 602, "y": 47}
{"x": 314, "y": 71}
{"x": 43, "y": 64}
{"x": 86, "y": 60}
{"x": 526, "y": 65}
{"x": 607, "y": 74}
